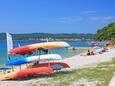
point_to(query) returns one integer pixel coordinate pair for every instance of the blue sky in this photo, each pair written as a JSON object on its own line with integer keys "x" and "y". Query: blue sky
{"x": 55, "y": 16}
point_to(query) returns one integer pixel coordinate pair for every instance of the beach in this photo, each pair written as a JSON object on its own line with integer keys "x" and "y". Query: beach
{"x": 57, "y": 43}
{"x": 79, "y": 61}
{"x": 75, "y": 62}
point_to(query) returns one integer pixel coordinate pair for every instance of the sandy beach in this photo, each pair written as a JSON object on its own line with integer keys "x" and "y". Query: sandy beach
{"x": 79, "y": 61}
{"x": 75, "y": 62}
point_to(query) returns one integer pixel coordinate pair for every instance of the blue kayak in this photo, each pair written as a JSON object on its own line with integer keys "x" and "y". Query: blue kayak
{"x": 33, "y": 59}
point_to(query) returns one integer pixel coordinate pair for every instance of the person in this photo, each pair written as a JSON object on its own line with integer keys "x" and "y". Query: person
{"x": 92, "y": 53}
{"x": 88, "y": 53}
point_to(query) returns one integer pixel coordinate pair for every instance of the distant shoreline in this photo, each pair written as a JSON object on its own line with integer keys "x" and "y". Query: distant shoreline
{"x": 49, "y": 36}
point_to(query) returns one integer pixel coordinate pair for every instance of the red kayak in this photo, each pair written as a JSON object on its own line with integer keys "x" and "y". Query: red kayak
{"x": 32, "y": 71}
{"x": 64, "y": 65}
{"x": 22, "y": 73}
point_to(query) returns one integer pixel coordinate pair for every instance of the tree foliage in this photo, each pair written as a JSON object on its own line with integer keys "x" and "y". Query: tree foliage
{"x": 106, "y": 33}
{"x": 48, "y": 35}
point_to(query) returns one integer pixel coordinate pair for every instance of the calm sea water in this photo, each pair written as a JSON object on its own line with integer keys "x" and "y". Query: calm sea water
{"x": 65, "y": 53}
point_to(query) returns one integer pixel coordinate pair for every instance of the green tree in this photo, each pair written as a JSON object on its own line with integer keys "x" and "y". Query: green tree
{"x": 106, "y": 33}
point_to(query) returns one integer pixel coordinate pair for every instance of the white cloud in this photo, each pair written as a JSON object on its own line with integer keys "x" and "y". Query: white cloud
{"x": 95, "y": 18}
{"x": 106, "y": 18}
{"x": 88, "y": 12}
{"x": 110, "y": 18}
{"x": 69, "y": 19}
{"x": 80, "y": 18}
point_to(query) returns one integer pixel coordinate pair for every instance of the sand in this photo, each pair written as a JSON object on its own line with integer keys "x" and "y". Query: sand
{"x": 78, "y": 61}
{"x": 112, "y": 82}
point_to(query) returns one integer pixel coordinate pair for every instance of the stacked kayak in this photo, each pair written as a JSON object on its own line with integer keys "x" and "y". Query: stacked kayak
{"x": 33, "y": 59}
{"x": 32, "y": 47}
{"x": 22, "y": 73}
{"x": 36, "y": 68}
{"x": 46, "y": 64}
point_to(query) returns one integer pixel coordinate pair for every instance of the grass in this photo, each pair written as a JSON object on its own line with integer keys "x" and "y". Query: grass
{"x": 102, "y": 74}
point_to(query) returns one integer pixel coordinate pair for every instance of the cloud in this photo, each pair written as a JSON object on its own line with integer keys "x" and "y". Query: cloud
{"x": 106, "y": 18}
{"x": 69, "y": 19}
{"x": 81, "y": 18}
{"x": 88, "y": 12}
{"x": 110, "y": 18}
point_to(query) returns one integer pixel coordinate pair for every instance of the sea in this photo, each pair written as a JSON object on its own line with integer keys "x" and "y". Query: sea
{"x": 64, "y": 52}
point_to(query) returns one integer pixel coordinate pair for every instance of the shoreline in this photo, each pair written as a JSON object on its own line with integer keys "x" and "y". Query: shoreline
{"x": 78, "y": 61}
{"x": 75, "y": 62}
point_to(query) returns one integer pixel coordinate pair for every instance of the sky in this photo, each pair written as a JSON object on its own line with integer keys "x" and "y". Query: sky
{"x": 55, "y": 16}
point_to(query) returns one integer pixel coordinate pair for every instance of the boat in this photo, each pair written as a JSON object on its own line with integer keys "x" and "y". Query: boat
{"x": 48, "y": 64}
{"x": 25, "y": 72}
{"x": 36, "y": 46}
{"x": 33, "y": 59}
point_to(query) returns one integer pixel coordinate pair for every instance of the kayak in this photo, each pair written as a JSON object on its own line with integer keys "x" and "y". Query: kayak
{"x": 48, "y": 64}
{"x": 25, "y": 72}
{"x": 33, "y": 59}
{"x": 32, "y": 47}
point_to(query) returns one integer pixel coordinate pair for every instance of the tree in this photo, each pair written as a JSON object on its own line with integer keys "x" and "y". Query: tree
{"x": 106, "y": 33}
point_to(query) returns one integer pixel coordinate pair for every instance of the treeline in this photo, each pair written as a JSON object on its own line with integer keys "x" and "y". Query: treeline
{"x": 106, "y": 33}
{"x": 47, "y": 35}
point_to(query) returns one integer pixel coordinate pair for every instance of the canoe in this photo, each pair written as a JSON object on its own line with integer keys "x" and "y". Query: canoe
{"x": 33, "y": 59}
{"x": 46, "y": 64}
{"x": 32, "y": 47}
{"x": 22, "y": 73}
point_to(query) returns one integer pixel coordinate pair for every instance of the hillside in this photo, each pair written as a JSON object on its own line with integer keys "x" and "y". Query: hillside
{"x": 106, "y": 33}
{"x": 37, "y": 36}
